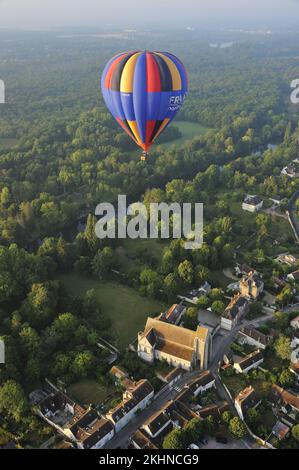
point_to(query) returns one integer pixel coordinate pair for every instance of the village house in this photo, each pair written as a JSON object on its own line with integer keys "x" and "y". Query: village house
{"x": 204, "y": 382}
{"x": 286, "y": 258}
{"x": 293, "y": 277}
{"x": 236, "y": 309}
{"x": 246, "y": 400}
{"x": 141, "y": 440}
{"x": 135, "y": 398}
{"x": 193, "y": 296}
{"x": 85, "y": 428}
{"x": 243, "y": 269}
{"x": 287, "y": 401}
{"x": 90, "y": 431}
{"x": 291, "y": 171}
{"x": 295, "y": 323}
{"x": 251, "y": 285}
{"x": 174, "y": 314}
{"x": 215, "y": 410}
{"x": 59, "y": 411}
{"x": 252, "y": 203}
{"x": 280, "y": 430}
{"x": 157, "y": 423}
{"x": 178, "y": 346}
{"x": 118, "y": 373}
{"x": 251, "y": 361}
{"x": 253, "y": 337}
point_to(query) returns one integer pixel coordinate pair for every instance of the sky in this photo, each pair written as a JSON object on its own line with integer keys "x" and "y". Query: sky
{"x": 41, "y": 14}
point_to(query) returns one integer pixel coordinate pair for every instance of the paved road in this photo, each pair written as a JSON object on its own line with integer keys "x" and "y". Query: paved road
{"x": 293, "y": 308}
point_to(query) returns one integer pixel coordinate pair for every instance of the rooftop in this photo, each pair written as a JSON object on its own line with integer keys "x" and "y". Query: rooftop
{"x": 247, "y": 398}
{"x": 157, "y": 421}
{"x": 255, "y": 335}
{"x": 172, "y": 339}
{"x": 173, "y": 314}
{"x": 280, "y": 430}
{"x": 131, "y": 398}
{"x": 142, "y": 440}
{"x": 252, "y": 200}
{"x": 250, "y": 359}
{"x": 232, "y": 310}
{"x": 286, "y": 397}
{"x": 90, "y": 429}
{"x": 204, "y": 379}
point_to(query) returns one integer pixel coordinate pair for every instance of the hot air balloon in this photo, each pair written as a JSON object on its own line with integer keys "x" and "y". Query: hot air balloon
{"x": 144, "y": 91}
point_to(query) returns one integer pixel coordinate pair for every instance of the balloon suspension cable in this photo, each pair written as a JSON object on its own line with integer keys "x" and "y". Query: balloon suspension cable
{"x": 144, "y": 156}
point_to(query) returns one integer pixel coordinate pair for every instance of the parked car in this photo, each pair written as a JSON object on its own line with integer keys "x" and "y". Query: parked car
{"x": 193, "y": 447}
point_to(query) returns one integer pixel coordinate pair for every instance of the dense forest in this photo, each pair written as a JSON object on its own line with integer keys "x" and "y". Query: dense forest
{"x": 61, "y": 154}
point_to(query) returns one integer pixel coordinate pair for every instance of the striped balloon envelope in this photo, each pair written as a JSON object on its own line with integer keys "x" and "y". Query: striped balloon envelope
{"x": 144, "y": 91}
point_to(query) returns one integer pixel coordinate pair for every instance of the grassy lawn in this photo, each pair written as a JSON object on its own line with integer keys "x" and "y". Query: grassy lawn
{"x": 189, "y": 130}
{"x": 144, "y": 248}
{"x": 126, "y": 308}
{"x": 234, "y": 384}
{"x": 89, "y": 392}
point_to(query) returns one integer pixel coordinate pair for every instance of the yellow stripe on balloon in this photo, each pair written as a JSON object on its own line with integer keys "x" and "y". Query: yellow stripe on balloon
{"x": 127, "y": 76}
{"x": 134, "y": 129}
{"x": 163, "y": 125}
{"x": 175, "y": 74}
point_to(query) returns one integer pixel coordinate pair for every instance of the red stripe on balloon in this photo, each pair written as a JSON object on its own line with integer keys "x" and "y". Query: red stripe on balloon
{"x": 150, "y": 125}
{"x": 111, "y": 70}
{"x": 152, "y": 74}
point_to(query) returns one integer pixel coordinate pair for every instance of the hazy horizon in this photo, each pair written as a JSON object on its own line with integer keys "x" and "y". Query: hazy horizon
{"x": 38, "y": 14}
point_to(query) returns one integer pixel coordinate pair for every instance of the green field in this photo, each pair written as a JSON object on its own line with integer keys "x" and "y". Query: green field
{"x": 126, "y": 308}
{"x": 88, "y": 392}
{"x": 189, "y": 130}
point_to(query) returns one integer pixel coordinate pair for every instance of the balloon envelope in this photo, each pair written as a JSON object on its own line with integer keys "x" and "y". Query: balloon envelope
{"x": 144, "y": 91}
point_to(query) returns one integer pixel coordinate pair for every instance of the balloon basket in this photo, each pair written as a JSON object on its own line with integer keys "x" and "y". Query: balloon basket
{"x": 144, "y": 157}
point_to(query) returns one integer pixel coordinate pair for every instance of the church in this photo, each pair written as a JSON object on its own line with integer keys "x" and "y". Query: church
{"x": 176, "y": 345}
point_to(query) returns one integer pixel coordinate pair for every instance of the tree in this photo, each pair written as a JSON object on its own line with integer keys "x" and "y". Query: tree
{"x": 176, "y": 439}
{"x": 218, "y": 307}
{"x": 283, "y": 348}
{"x": 286, "y": 378}
{"x": 83, "y": 364}
{"x": 13, "y": 401}
{"x": 185, "y": 271}
{"x": 237, "y": 428}
{"x": 226, "y": 417}
{"x": 285, "y": 296}
{"x": 150, "y": 282}
{"x": 170, "y": 285}
{"x": 252, "y": 416}
{"x": 295, "y": 432}
{"x": 194, "y": 430}
{"x": 191, "y": 318}
{"x": 203, "y": 302}
{"x": 103, "y": 262}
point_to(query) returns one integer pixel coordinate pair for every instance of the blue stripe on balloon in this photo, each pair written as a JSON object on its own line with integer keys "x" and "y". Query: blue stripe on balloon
{"x": 128, "y": 106}
{"x": 106, "y": 93}
{"x": 117, "y": 104}
{"x": 140, "y": 95}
